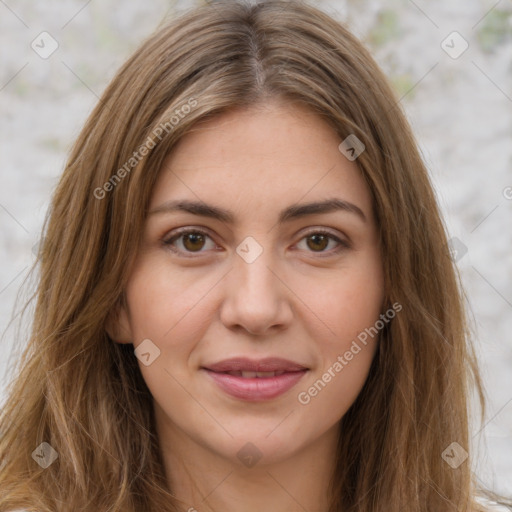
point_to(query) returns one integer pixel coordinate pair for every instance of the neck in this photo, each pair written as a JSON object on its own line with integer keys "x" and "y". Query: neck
{"x": 206, "y": 481}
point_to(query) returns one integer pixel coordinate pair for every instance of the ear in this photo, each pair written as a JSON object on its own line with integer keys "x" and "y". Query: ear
{"x": 117, "y": 323}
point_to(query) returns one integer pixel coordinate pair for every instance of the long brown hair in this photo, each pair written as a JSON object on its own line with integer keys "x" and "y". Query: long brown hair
{"x": 84, "y": 395}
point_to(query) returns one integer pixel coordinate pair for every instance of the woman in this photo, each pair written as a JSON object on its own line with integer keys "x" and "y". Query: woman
{"x": 246, "y": 301}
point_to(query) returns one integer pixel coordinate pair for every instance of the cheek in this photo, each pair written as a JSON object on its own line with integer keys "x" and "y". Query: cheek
{"x": 347, "y": 302}
{"x": 166, "y": 304}
{"x": 351, "y": 308}
{"x": 168, "y": 308}
{"x": 344, "y": 360}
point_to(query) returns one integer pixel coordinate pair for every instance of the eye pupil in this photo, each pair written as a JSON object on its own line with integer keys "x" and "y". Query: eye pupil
{"x": 194, "y": 241}
{"x": 319, "y": 238}
{"x": 194, "y": 238}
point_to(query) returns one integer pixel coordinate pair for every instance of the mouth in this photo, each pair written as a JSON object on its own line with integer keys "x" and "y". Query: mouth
{"x": 255, "y": 380}
{"x": 253, "y": 375}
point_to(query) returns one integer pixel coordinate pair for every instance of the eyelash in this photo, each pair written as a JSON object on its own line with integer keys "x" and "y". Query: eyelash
{"x": 342, "y": 244}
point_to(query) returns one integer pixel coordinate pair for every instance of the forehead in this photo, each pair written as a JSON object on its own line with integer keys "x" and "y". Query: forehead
{"x": 261, "y": 158}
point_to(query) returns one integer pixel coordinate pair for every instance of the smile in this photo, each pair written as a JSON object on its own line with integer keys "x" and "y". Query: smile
{"x": 251, "y": 375}
{"x": 254, "y": 388}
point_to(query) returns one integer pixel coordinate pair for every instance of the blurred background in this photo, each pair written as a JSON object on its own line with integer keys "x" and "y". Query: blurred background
{"x": 450, "y": 63}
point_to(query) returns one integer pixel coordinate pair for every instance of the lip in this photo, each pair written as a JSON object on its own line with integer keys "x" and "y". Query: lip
{"x": 255, "y": 388}
{"x": 268, "y": 364}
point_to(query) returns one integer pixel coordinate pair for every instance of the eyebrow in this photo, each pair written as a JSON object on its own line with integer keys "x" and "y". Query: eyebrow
{"x": 293, "y": 211}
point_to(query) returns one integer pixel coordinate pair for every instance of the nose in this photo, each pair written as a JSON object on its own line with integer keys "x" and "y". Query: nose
{"x": 256, "y": 298}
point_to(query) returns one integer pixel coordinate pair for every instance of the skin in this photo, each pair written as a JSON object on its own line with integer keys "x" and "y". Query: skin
{"x": 299, "y": 300}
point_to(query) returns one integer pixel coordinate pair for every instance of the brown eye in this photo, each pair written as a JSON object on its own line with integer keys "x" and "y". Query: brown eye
{"x": 318, "y": 241}
{"x": 193, "y": 241}
{"x": 189, "y": 241}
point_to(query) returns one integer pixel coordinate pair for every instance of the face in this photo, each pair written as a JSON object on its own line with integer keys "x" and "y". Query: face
{"x": 247, "y": 302}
